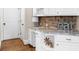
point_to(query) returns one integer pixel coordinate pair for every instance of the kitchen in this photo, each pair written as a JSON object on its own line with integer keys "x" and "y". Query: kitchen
{"x": 42, "y": 29}
{"x": 55, "y": 29}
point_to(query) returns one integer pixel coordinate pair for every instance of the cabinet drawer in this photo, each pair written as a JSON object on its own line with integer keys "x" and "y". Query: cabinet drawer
{"x": 69, "y": 38}
{"x": 75, "y": 39}
{"x": 66, "y": 46}
{"x": 62, "y": 38}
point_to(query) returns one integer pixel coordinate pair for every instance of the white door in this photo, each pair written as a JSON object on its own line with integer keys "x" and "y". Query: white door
{"x": 11, "y": 23}
{"x": 22, "y": 21}
{"x": 1, "y": 29}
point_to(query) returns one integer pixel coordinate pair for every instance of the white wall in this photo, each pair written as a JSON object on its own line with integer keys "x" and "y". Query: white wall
{"x": 28, "y": 20}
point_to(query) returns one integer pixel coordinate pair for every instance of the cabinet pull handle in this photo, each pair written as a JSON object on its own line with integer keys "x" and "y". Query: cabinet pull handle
{"x": 68, "y": 39}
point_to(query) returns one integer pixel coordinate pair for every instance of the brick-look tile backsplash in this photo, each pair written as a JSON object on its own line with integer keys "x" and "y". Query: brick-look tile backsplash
{"x": 52, "y": 21}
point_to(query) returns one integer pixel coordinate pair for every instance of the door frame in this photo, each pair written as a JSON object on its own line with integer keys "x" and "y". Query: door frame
{"x": 22, "y": 25}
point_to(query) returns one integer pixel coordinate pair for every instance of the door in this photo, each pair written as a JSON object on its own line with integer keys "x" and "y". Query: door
{"x": 1, "y": 29}
{"x": 11, "y": 24}
{"x": 22, "y": 24}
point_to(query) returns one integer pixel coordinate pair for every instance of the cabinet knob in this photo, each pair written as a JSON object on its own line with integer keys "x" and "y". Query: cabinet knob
{"x": 22, "y": 24}
{"x": 57, "y": 44}
{"x": 57, "y": 12}
{"x": 4, "y": 24}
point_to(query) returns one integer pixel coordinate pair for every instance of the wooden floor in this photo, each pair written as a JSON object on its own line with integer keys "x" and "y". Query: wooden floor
{"x": 15, "y": 45}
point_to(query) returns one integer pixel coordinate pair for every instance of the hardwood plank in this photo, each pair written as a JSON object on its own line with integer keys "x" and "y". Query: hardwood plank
{"x": 15, "y": 45}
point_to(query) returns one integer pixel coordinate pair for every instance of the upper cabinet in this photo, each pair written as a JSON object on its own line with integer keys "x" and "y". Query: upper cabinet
{"x": 38, "y": 11}
{"x": 69, "y": 11}
{"x": 56, "y": 12}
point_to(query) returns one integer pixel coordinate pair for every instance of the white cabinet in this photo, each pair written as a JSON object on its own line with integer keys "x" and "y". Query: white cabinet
{"x": 38, "y": 12}
{"x": 69, "y": 11}
{"x": 32, "y": 38}
{"x": 66, "y": 46}
{"x": 41, "y": 44}
{"x": 66, "y": 38}
{"x": 52, "y": 11}
{"x": 66, "y": 42}
{"x": 56, "y": 12}
{"x": 61, "y": 42}
{"x": 63, "y": 11}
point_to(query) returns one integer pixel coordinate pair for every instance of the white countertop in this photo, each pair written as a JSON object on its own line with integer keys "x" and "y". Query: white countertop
{"x": 51, "y": 31}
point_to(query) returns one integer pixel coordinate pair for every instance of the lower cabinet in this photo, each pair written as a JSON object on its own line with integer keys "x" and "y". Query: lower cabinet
{"x": 53, "y": 42}
{"x": 67, "y": 43}
{"x": 66, "y": 46}
{"x": 42, "y": 45}
{"x": 32, "y": 38}
{"x": 61, "y": 43}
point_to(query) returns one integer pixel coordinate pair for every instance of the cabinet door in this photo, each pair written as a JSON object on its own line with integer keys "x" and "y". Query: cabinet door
{"x": 69, "y": 11}
{"x": 38, "y": 12}
{"x": 51, "y": 11}
{"x": 32, "y": 38}
{"x": 61, "y": 11}
{"x": 42, "y": 44}
{"x": 11, "y": 23}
